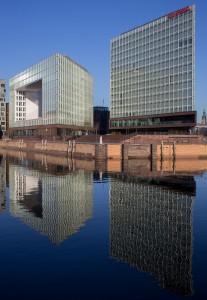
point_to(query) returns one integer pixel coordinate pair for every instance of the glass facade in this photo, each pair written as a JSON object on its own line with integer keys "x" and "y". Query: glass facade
{"x": 152, "y": 67}
{"x": 38, "y": 198}
{"x": 55, "y": 91}
{"x": 3, "y": 104}
{"x": 153, "y": 232}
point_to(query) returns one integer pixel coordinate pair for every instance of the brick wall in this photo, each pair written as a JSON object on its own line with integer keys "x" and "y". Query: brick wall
{"x": 138, "y": 166}
{"x": 152, "y": 139}
{"x": 114, "y": 165}
{"x": 180, "y": 165}
{"x": 167, "y": 151}
{"x": 191, "y": 150}
{"x": 132, "y": 151}
{"x": 84, "y": 151}
{"x": 114, "y": 151}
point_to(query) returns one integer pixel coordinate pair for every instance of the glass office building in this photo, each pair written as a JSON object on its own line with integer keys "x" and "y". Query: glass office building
{"x": 53, "y": 97}
{"x": 152, "y": 75}
{"x": 3, "y": 104}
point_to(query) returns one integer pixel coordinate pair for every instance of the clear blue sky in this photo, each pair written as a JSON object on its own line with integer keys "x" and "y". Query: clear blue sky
{"x": 82, "y": 29}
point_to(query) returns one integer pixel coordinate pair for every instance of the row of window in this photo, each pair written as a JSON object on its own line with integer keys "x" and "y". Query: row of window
{"x": 150, "y": 80}
{"x": 151, "y": 63}
{"x": 149, "y": 50}
{"x": 159, "y": 62}
{"x": 20, "y": 108}
{"x": 20, "y": 103}
{"x": 155, "y": 101}
{"x": 147, "y": 81}
{"x": 164, "y": 52}
{"x": 20, "y": 92}
{"x": 20, "y": 98}
{"x": 144, "y": 122}
{"x": 20, "y": 114}
{"x": 152, "y": 112}
{"x": 152, "y": 103}
{"x": 149, "y": 75}
{"x": 167, "y": 67}
{"x": 156, "y": 97}
{"x": 161, "y": 36}
{"x": 172, "y": 41}
{"x": 178, "y": 22}
{"x": 126, "y": 92}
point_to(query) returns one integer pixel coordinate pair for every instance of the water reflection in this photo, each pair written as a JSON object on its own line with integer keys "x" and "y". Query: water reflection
{"x": 57, "y": 206}
{"x": 2, "y": 183}
{"x": 151, "y": 228}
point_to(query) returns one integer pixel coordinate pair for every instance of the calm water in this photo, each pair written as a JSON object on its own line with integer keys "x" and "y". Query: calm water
{"x": 68, "y": 233}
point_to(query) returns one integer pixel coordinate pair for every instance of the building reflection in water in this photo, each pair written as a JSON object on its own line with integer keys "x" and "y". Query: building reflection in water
{"x": 55, "y": 205}
{"x": 151, "y": 228}
{"x": 2, "y": 183}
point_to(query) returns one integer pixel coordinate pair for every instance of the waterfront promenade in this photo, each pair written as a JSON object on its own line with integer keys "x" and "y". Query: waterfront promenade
{"x": 121, "y": 147}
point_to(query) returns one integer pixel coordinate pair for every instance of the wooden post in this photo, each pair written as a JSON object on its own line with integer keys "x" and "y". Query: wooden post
{"x": 68, "y": 147}
{"x": 162, "y": 150}
{"x": 45, "y": 145}
{"x": 174, "y": 151}
{"x": 73, "y": 148}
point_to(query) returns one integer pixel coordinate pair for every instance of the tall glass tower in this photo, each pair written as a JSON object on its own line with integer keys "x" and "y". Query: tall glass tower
{"x": 53, "y": 97}
{"x": 152, "y": 75}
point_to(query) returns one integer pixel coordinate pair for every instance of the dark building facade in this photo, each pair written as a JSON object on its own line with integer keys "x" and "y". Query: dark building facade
{"x": 101, "y": 117}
